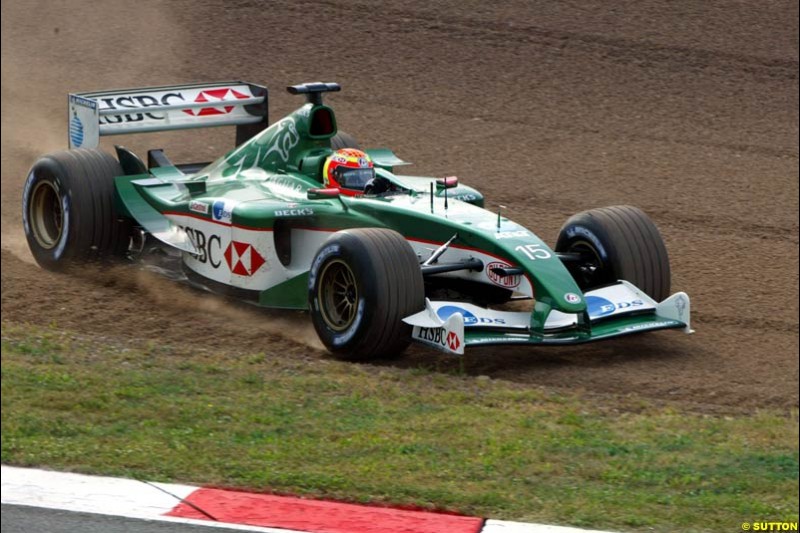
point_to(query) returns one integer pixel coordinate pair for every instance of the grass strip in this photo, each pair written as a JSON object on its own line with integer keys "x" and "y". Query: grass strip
{"x": 376, "y": 434}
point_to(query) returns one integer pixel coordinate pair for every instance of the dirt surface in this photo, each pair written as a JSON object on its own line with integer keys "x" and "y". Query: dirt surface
{"x": 688, "y": 110}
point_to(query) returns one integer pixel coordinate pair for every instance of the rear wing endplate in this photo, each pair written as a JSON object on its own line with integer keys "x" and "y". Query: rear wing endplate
{"x": 174, "y": 107}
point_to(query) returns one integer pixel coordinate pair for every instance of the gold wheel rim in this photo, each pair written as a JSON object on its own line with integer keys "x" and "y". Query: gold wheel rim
{"x": 46, "y": 215}
{"x": 338, "y": 295}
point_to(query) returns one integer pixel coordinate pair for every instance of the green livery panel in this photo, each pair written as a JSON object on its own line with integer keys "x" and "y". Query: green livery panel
{"x": 255, "y": 200}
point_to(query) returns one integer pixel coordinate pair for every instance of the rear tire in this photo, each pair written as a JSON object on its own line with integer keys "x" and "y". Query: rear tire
{"x": 619, "y": 242}
{"x": 68, "y": 210}
{"x": 361, "y": 285}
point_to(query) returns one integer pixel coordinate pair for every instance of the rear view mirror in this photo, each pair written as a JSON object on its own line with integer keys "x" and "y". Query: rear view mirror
{"x": 321, "y": 194}
{"x": 447, "y": 183}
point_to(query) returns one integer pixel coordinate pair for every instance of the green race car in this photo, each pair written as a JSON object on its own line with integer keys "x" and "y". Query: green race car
{"x": 378, "y": 258}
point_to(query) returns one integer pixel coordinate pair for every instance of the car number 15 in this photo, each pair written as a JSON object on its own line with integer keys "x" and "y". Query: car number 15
{"x": 534, "y": 251}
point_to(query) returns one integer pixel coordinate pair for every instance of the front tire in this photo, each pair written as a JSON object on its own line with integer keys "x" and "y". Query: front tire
{"x": 614, "y": 243}
{"x": 68, "y": 211}
{"x": 362, "y": 283}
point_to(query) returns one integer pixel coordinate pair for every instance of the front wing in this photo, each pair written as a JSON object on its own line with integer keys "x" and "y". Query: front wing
{"x": 613, "y": 311}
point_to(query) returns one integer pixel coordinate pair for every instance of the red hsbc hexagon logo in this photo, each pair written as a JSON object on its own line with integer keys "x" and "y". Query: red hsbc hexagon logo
{"x": 243, "y": 259}
{"x": 452, "y": 341}
{"x": 210, "y": 95}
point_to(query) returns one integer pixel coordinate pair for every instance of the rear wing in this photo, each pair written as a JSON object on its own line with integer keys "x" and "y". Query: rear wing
{"x": 175, "y": 107}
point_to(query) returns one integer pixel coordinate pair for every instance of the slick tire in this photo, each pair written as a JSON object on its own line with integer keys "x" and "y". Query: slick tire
{"x": 614, "y": 243}
{"x": 68, "y": 211}
{"x": 344, "y": 140}
{"x": 362, "y": 283}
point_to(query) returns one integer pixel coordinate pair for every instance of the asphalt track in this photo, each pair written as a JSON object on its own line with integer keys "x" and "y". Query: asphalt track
{"x": 688, "y": 110}
{"x": 23, "y": 519}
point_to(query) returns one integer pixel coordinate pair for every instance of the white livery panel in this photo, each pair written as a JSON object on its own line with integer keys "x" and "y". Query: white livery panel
{"x": 245, "y": 258}
{"x": 433, "y": 325}
{"x": 95, "y": 114}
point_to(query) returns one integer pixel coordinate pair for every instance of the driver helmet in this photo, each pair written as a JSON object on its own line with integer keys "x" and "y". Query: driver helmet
{"x": 349, "y": 170}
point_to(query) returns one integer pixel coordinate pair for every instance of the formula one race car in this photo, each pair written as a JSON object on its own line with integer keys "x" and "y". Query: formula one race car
{"x": 404, "y": 258}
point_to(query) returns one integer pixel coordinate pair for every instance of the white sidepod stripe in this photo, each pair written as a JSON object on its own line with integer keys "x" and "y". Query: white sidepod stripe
{"x": 244, "y": 257}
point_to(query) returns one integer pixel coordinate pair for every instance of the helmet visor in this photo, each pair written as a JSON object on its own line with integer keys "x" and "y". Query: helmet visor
{"x": 354, "y": 178}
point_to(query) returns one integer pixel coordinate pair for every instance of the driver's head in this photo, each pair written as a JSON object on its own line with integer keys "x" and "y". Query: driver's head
{"x": 348, "y": 169}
